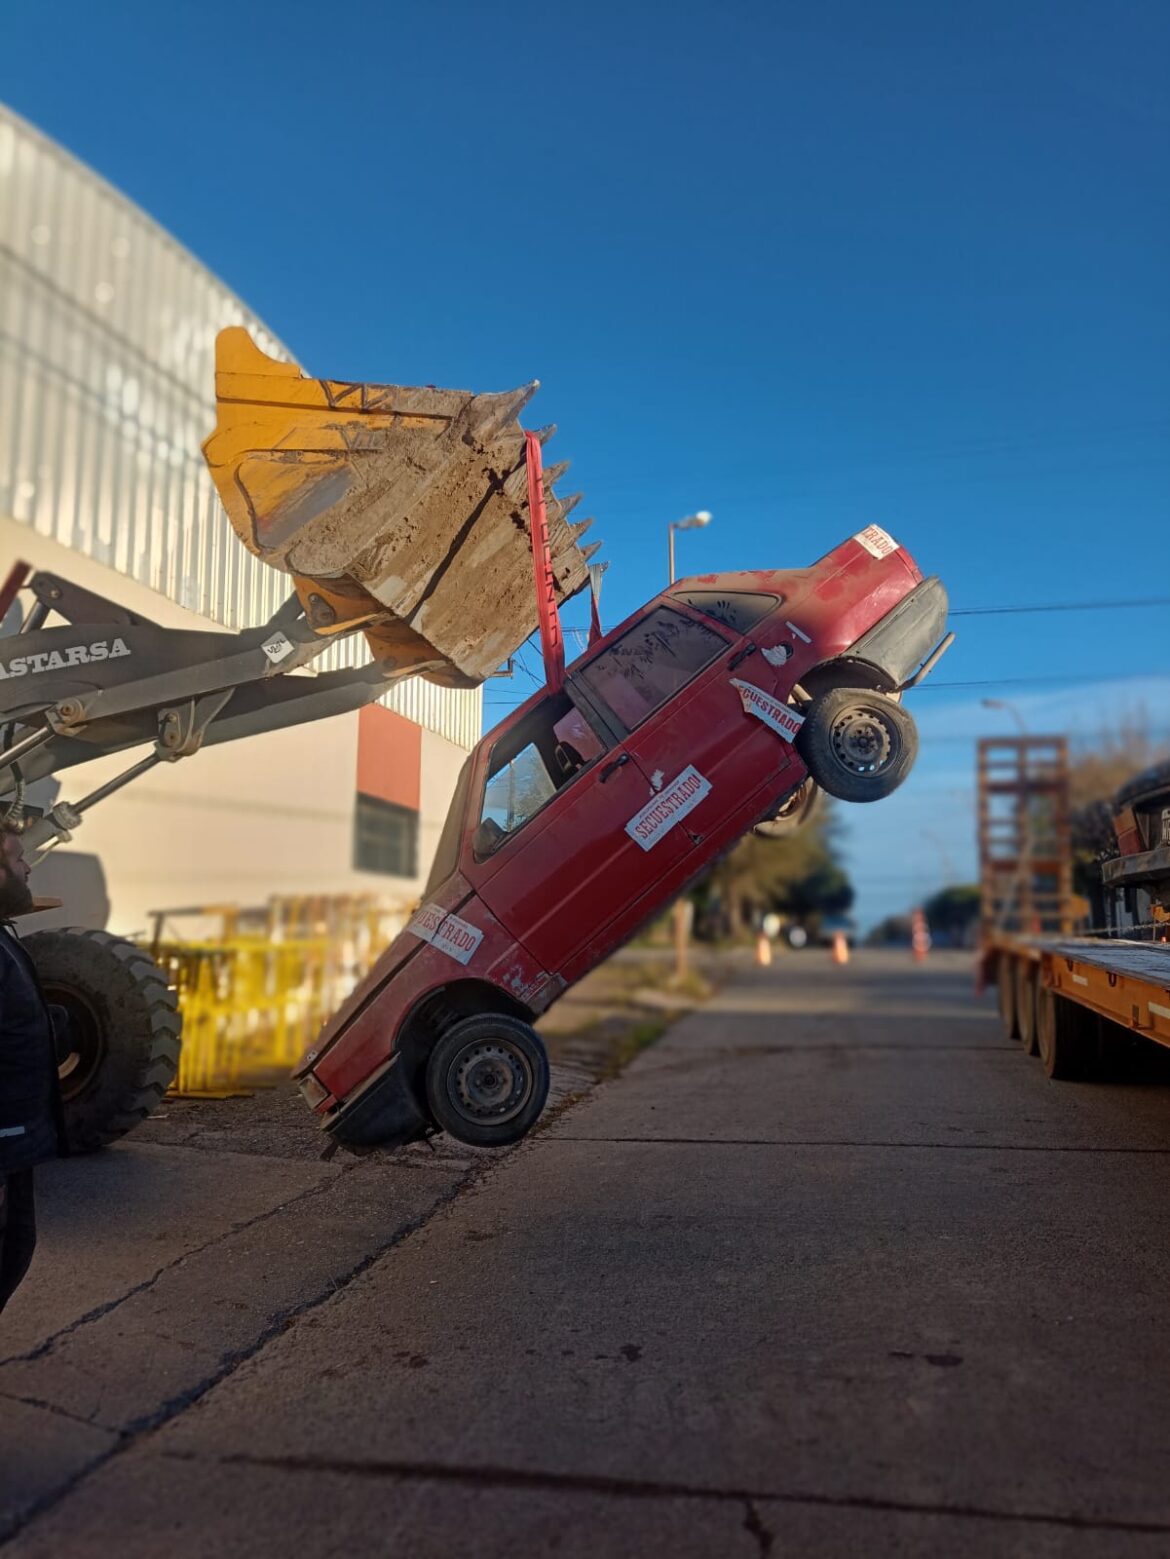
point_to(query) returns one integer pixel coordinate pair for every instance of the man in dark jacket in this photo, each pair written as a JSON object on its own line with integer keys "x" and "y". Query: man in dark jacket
{"x": 29, "y": 1108}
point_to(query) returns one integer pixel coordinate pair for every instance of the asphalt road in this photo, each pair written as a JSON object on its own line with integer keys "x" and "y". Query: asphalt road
{"x": 830, "y": 1270}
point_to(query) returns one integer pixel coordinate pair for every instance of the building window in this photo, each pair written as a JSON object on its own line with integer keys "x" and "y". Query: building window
{"x": 385, "y": 838}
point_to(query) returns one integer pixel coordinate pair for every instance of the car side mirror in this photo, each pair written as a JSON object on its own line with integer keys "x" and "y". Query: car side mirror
{"x": 486, "y": 838}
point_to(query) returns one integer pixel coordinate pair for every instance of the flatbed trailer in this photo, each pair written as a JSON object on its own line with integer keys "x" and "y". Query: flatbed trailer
{"x": 1074, "y": 1000}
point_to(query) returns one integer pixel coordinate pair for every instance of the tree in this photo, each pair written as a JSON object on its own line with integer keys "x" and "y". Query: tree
{"x": 952, "y": 911}
{"x": 800, "y": 876}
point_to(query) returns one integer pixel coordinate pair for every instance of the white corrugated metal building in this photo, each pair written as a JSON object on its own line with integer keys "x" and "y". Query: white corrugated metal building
{"x": 107, "y": 333}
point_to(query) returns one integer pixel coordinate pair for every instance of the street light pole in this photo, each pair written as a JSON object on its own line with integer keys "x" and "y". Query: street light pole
{"x": 682, "y": 906}
{"x": 1002, "y": 703}
{"x": 692, "y": 522}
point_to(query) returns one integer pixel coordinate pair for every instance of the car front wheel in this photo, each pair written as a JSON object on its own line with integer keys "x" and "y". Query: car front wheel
{"x": 856, "y": 744}
{"x": 487, "y": 1079}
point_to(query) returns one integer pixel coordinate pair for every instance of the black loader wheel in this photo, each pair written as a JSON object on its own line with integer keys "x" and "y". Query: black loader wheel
{"x": 1027, "y": 976}
{"x": 121, "y": 1051}
{"x": 857, "y": 744}
{"x": 487, "y": 1079}
{"x": 1005, "y": 986}
{"x": 793, "y": 812}
{"x": 1068, "y": 1037}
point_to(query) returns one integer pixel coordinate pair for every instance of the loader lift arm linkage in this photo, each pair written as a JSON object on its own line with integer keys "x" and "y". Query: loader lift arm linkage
{"x": 110, "y": 680}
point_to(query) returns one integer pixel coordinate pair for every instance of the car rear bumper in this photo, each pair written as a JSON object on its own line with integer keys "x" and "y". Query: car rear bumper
{"x": 899, "y": 642}
{"x": 385, "y": 1114}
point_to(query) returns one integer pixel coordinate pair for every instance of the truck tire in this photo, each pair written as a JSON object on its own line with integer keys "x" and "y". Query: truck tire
{"x": 121, "y": 1052}
{"x": 857, "y": 745}
{"x": 1005, "y": 989}
{"x": 1026, "y": 992}
{"x": 793, "y": 812}
{"x": 487, "y": 1079}
{"x": 1068, "y": 1037}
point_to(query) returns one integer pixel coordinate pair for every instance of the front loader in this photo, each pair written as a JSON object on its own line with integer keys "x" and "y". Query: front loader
{"x": 412, "y": 516}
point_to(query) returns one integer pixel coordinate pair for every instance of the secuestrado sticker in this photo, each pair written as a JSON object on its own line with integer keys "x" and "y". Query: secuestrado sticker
{"x": 781, "y": 718}
{"x": 877, "y": 541}
{"x": 457, "y": 938}
{"x": 672, "y": 803}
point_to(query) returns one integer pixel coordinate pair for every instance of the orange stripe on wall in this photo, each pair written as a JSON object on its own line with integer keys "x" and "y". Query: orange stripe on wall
{"x": 389, "y": 763}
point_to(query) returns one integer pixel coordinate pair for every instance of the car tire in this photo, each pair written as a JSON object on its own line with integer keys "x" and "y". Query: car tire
{"x": 487, "y": 1080}
{"x": 857, "y": 745}
{"x": 121, "y": 1051}
{"x": 793, "y": 813}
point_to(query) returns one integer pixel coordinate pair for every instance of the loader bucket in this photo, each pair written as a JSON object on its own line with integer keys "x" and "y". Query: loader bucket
{"x": 402, "y": 510}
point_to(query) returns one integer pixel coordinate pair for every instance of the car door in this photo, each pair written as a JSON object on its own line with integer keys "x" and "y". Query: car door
{"x": 552, "y": 858}
{"x": 680, "y": 686}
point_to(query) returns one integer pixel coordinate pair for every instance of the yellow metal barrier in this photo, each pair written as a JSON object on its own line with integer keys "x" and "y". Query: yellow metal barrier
{"x": 255, "y": 993}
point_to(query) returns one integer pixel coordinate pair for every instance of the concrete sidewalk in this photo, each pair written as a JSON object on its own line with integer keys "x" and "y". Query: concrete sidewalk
{"x": 830, "y": 1270}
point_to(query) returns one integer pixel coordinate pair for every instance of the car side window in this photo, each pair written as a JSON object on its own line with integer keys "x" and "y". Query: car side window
{"x": 529, "y": 764}
{"x": 650, "y": 663}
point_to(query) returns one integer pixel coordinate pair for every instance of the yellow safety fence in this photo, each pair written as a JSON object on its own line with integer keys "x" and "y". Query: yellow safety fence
{"x": 256, "y": 986}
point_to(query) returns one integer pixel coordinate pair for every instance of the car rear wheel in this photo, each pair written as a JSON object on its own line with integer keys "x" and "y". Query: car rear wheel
{"x": 857, "y": 745}
{"x": 487, "y": 1079}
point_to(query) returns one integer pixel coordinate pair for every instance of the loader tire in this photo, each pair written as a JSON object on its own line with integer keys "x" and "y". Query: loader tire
{"x": 121, "y": 1050}
{"x": 857, "y": 745}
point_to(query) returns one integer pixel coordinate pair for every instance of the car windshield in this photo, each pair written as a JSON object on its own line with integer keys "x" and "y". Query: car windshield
{"x": 530, "y": 763}
{"x": 447, "y": 855}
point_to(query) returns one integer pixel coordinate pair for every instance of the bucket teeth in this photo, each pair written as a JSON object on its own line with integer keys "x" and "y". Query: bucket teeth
{"x": 579, "y": 527}
{"x": 591, "y": 551}
{"x": 489, "y": 415}
{"x": 567, "y": 505}
{"x": 553, "y": 474}
{"x": 408, "y": 502}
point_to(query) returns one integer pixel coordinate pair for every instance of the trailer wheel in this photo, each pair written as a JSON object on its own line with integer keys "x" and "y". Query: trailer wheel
{"x": 487, "y": 1079}
{"x": 121, "y": 1050}
{"x": 793, "y": 813}
{"x": 1026, "y": 989}
{"x": 1068, "y": 1037}
{"x": 857, "y": 745}
{"x": 1005, "y": 984}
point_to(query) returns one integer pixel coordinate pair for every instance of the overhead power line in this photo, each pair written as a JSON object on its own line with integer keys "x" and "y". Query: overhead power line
{"x": 1071, "y": 676}
{"x": 1061, "y": 606}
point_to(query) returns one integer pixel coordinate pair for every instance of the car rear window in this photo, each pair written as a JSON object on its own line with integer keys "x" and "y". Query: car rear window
{"x": 739, "y": 610}
{"x": 649, "y": 664}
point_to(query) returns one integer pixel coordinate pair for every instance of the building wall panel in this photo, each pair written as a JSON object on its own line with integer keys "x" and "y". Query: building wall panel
{"x": 107, "y": 341}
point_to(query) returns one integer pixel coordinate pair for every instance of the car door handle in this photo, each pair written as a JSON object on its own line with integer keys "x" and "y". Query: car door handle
{"x": 741, "y": 655}
{"x": 612, "y": 768}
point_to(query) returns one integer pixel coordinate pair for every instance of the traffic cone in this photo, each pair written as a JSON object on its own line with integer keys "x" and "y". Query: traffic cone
{"x": 839, "y": 948}
{"x": 919, "y": 937}
{"x": 763, "y": 950}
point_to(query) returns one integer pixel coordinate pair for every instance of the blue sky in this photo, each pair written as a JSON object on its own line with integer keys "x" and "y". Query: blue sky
{"x": 808, "y": 267}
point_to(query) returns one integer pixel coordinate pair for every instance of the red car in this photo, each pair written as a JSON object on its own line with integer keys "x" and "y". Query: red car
{"x": 717, "y": 707}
